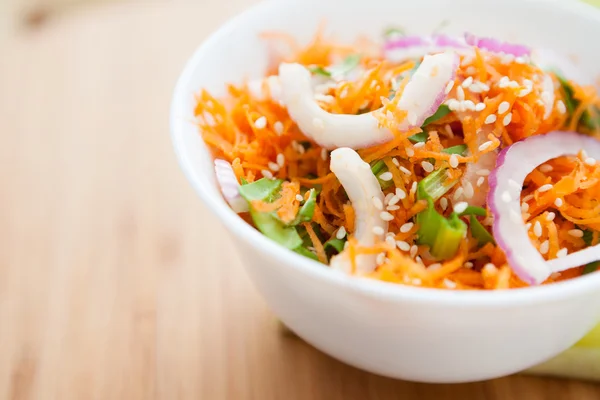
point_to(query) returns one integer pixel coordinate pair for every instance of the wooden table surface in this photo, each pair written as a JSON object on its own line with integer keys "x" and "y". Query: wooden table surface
{"x": 115, "y": 281}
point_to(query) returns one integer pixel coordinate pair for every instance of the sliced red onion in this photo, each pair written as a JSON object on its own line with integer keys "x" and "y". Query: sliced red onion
{"x": 421, "y": 98}
{"x": 364, "y": 191}
{"x": 513, "y": 165}
{"x": 496, "y": 46}
{"x": 471, "y": 178}
{"x": 229, "y": 186}
{"x": 407, "y": 47}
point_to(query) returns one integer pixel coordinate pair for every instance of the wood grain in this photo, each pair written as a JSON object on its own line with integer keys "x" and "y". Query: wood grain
{"x": 115, "y": 281}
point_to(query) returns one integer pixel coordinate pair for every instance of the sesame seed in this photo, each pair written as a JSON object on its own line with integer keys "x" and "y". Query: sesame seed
{"x": 562, "y": 253}
{"x": 449, "y": 284}
{"x": 476, "y": 87}
{"x": 280, "y": 159}
{"x": 528, "y": 226}
{"x": 506, "y": 120}
{"x": 267, "y": 173}
{"x": 583, "y": 154}
{"x": 524, "y": 207}
{"x": 318, "y": 123}
{"x": 393, "y": 200}
{"x": 469, "y": 191}
{"x": 468, "y": 264}
{"x": 405, "y": 171}
{"x": 550, "y": 216}
{"x": 413, "y": 188}
{"x": 483, "y": 172}
{"x": 558, "y": 202}
{"x": 480, "y": 107}
{"x": 544, "y": 247}
{"x": 590, "y": 161}
{"x": 341, "y": 233}
{"x": 377, "y": 230}
{"x": 520, "y": 60}
{"x": 419, "y": 145}
{"x": 469, "y": 105}
{"x": 444, "y": 203}
{"x": 400, "y": 193}
{"x": 448, "y": 130}
{"x": 467, "y": 82}
{"x": 278, "y": 126}
{"x": 449, "y": 87}
{"x": 503, "y": 82}
{"x": 410, "y": 152}
{"x": 402, "y": 245}
{"x": 380, "y": 258}
{"x": 537, "y": 229}
{"x": 260, "y": 123}
{"x": 412, "y": 118}
{"x": 396, "y": 162}
{"x": 486, "y": 145}
{"x": 460, "y": 207}
{"x": 406, "y": 227}
{"x": 513, "y": 84}
{"x": 460, "y": 93}
{"x": 453, "y": 104}
{"x": 576, "y": 233}
{"x": 427, "y": 166}
{"x": 480, "y": 181}
{"x": 387, "y": 198}
{"x": 490, "y": 268}
{"x": 273, "y": 167}
{"x": 528, "y": 197}
{"x": 414, "y": 250}
{"x": 471, "y": 70}
{"x": 490, "y": 119}
{"x": 386, "y": 216}
{"x": 503, "y": 107}
{"x": 453, "y": 161}
{"x": 545, "y": 168}
{"x": 434, "y": 267}
{"x": 377, "y": 203}
{"x": 458, "y": 193}
{"x": 392, "y": 208}
{"x": 545, "y": 188}
{"x": 386, "y": 176}
{"x": 325, "y": 98}
{"x": 324, "y": 154}
{"x": 390, "y": 241}
{"x": 561, "y": 107}
{"x": 526, "y": 216}
{"x": 506, "y": 197}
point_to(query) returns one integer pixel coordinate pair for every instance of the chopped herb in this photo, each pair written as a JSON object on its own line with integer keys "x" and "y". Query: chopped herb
{"x": 335, "y": 244}
{"x": 306, "y": 253}
{"x": 263, "y": 189}
{"x": 442, "y": 235}
{"x": 435, "y": 185}
{"x": 591, "y": 267}
{"x": 392, "y": 94}
{"x": 274, "y": 229}
{"x": 318, "y": 70}
{"x": 482, "y": 235}
{"x": 588, "y": 236}
{"x": 378, "y": 168}
{"x": 243, "y": 180}
{"x": 393, "y": 31}
{"x": 349, "y": 63}
{"x": 472, "y": 210}
{"x": 591, "y": 117}
{"x": 420, "y": 137}
{"x": 460, "y": 149}
{"x": 307, "y": 210}
{"x": 441, "y": 112}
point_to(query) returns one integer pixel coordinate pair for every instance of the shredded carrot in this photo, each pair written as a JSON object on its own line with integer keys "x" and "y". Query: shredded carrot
{"x": 501, "y": 104}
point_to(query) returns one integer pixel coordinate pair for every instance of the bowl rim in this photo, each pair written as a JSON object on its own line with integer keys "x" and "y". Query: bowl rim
{"x": 375, "y": 288}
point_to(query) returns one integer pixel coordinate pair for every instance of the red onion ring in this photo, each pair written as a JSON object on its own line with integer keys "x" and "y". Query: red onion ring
{"x": 229, "y": 186}
{"x": 513, "y": 165}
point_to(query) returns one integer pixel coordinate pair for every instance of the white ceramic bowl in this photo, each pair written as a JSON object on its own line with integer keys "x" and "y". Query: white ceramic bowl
{"x": 403, "y": 332}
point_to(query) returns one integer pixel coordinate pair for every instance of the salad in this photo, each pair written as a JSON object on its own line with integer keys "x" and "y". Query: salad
{"x": 433, "y": 161}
